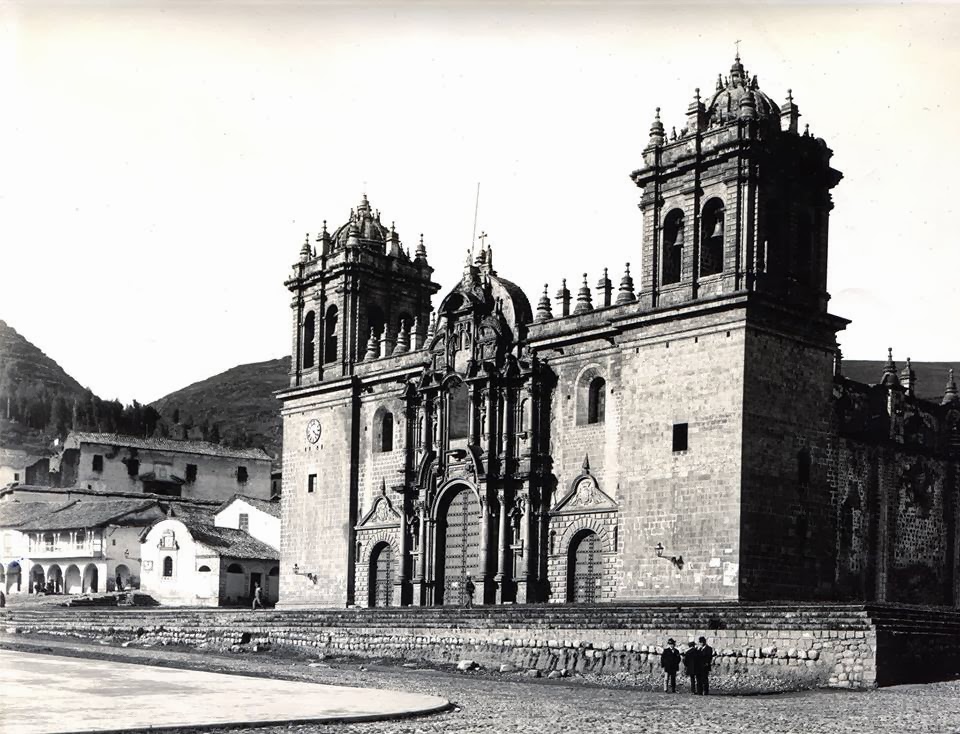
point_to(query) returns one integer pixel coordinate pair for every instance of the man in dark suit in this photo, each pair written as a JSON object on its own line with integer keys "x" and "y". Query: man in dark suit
{"x": 670, "y": 662}
{"x": 704, "y": 661}
{"x": 690, "y": 665}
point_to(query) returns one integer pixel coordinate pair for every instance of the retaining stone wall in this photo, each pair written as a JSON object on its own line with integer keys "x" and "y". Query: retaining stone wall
{"x": 760, "y": 650}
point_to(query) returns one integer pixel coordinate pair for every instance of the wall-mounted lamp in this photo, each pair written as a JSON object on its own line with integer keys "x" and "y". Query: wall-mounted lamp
{"x": 308, "y": 574}
{"x": 675, "y": 560}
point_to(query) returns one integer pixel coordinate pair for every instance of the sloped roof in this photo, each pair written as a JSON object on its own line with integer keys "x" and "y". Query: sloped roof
{"x": 164, "y": 444}
{"x": 231, "y": 542}
{"x": 97, "y": 513}
{"x": 271, "y": 507}
{"x": 14, "y": 514}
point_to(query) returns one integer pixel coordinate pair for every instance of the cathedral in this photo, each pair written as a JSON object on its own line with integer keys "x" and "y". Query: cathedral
{"x": 685, "y": 434}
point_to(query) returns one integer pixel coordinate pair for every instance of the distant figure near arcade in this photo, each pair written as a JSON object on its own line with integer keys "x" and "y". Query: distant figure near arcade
{"x": 683, "y": 433}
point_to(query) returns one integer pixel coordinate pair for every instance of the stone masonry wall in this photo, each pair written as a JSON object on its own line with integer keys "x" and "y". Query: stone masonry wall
{"x": 775, "y": 649}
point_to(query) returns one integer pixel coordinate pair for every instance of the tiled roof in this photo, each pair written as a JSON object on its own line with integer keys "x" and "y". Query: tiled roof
{"x": 209, "y": 505}
{"x": 271, "y": 507}
{"x": 164, "y": 444}
{"x": 231, "y": 543}
{"x": 14, "y": 514}
{"x": 97, "y": 513}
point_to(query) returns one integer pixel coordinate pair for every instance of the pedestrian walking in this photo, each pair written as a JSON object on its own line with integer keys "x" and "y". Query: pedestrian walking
{"x": 690, "y": 665}
{"x": 257, "y": 601}
{"x": 469, "y": 588}
{"x": 704, "y": 661}
{"x": 670, "y": 662}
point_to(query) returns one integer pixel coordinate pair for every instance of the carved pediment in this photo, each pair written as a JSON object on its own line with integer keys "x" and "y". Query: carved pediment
{"x": 585, "y": 494}
{"x": 382, "y": 513}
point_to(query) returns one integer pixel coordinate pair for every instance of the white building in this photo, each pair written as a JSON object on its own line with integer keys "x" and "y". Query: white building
{"x": 196, "y": 561}
{"x": 73, "y": 547}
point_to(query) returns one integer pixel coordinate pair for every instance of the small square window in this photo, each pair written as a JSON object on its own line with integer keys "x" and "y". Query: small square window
{"x": 16, "y": 477}
{"x": 97, "y": 462}
{"x": 192, "y": 473}
{"x": 241, "y": 474}
{"x": 679, "y": 436}
{"x": 133, "y": 467}
{"x": 311, "y": 482}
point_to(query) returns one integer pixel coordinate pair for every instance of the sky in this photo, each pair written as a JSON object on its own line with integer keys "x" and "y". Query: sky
{"x": 161, "y": 163}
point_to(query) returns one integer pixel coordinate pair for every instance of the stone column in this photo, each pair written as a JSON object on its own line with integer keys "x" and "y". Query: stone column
{"x": 402, "y": 576}
{"x": 525, "y": 550}
{"x": 419, "y": 587}
{"x": 483, "y": 579}
{"x": 502, "y": 555}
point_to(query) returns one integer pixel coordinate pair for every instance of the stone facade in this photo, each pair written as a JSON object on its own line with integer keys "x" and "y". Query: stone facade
{"x": 687, "y": 436}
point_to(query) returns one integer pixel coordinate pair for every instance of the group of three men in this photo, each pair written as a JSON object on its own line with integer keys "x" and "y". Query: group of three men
{"x": 697, "y": 660}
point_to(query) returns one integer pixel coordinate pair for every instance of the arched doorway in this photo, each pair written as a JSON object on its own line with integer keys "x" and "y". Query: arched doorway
{"x": 584, "y": 565}
{"x": 458, "y": 545}
{"x": 122, "y": 577}
{"x": 72, "y": 582}
{"x": 381, "y": 576}
{"x": 91, "y": 578}
{"x": 55, "y": 575}
{"x": 37, "y": 578}
{"x": 13, "y": 577}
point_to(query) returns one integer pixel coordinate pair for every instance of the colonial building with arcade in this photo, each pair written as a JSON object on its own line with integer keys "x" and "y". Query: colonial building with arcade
{"x": 686, "y": 433}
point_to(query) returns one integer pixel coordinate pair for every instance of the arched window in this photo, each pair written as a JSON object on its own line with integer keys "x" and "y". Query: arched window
{"x": 330, "y": 335}
{"x": 459, "y": 404}
{"x": 711, "y": 240}
{"x": 591, "y": 397}
{"x": 309, "y": 339}
{"x": 167, "y": 566}
{"x": 672, "y": 247}
{"x": 375, "y": 320}
{"x": 204, "y": 569}
{"x": 386, "y": 432}
{"x": 48, "y": 541}
{"x": 234, "y": 568}
{"x": 596, "y": 400}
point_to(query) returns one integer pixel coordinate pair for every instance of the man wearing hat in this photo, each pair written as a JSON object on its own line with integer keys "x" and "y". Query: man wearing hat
{"x": 670, "y": 662}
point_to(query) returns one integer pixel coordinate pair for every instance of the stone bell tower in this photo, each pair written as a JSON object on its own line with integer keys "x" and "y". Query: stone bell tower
{"x": 357, "y": 294}
{"x": 737, "y": 200}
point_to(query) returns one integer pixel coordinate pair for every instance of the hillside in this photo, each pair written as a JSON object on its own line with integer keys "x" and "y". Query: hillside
{"x": 236, "y": 406}
{"x": 32, "y": 387}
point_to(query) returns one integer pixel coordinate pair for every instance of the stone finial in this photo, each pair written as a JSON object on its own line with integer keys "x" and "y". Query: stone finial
{"x": 719, "y": 82}
{"x": 838, "y": 363}
{"x": 432, "y": 327}
{"x": 305, "y": 250}
{"x": 386, "y": 342}
{"x": 950, "y": 395}
{"x": 748, "y": 107}
{"x": 696, "y": 114}
{"x": 657, "y": 136}
{"x": 544, "y": 312}
{"x": 806, "y": 131}
{"x": 393, "y": 242}
{"x": 890, "y": 378}
{"x": 373, "y": 346}
{"x": 790, "y": 114}
{"x": 403, "y": 338}
{"x": 563, "y": 295}
{"x": 584, "y": 301}
{"x": 421, "y": 253}
{"x": 353, "y": 234}
{"x": 416, "y": 338}
{"x": 324, "y": 239}
{"x": 586, "y": 464}
{"x": 626, "y": 294}
{"x": 605, "y": 288}
{"x": 908, "y": 378}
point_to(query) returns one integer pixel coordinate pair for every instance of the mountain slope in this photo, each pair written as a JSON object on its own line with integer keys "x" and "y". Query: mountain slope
{"x": 237, "y": 404}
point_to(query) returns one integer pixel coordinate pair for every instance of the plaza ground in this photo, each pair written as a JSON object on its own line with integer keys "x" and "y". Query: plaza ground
{"x": 490, "y": 702}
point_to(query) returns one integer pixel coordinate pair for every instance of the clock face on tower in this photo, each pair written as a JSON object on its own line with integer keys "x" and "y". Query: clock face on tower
{"x": 313, "y": 430}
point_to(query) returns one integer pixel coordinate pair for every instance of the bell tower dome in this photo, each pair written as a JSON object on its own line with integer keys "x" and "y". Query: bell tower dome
{"x": 739, "y": 200}
{"x": 355, "y": 288}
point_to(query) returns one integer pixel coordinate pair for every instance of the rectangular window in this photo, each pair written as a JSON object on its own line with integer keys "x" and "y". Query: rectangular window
{"x": 311, "y": 482}
{"x": 241, "y": 474}
{"x": 97, "y": 462}
{"x": 133, "y": 467}
{"x": 160, "y": 471}
{"x": 679, "y": 436}
{"x": 245, "y": 522}
{"x": 191, "y": 472}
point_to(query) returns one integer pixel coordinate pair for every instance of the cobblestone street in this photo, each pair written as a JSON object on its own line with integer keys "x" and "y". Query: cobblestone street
{"x": 491, "y": 702}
